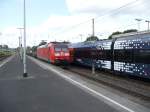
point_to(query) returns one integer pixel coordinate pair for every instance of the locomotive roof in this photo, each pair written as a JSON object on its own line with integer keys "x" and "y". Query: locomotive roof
{"x": 59, "y": 42}
{"x": 140, "y": 40}
{"x": 42, "y": 46}
{"x": 53, "y": 43}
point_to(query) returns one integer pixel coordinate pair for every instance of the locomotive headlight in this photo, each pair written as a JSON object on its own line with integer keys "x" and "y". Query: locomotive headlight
{"x": 66, "y": 54}
{"x": 57, "y": 54}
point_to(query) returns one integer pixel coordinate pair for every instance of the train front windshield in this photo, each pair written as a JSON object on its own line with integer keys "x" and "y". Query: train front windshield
{"x": 64, "y": 49}
{"x": 57, "y": 49}
{"x": 61, "y": 48}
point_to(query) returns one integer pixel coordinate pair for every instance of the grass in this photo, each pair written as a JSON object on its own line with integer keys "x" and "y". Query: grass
{"x": 5, "y": 53}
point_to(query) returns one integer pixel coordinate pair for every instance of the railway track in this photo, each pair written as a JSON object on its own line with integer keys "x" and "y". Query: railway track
{"x": 132, "y": 86}
{"x": 136, "y": 88}
{"x": 137, "y": 91}
{"x": 132, "y": 89}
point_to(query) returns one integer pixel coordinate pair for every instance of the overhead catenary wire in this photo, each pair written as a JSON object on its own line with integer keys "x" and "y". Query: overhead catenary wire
{"x": 97, "y": 17}
{"x": 115, "y": 11}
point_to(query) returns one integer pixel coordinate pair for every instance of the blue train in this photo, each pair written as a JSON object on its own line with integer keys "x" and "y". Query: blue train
{"x": 128, "y": 53}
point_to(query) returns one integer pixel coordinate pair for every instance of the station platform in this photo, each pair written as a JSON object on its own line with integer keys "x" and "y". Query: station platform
{"x": 42, "y": 91}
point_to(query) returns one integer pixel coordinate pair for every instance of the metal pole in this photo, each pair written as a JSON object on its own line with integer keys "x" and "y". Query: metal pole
{"x": 21, "y": 53}
{"x": 24, "y": 55}
{"x": 138, "y": 22}
{"x": 139, "y": 25}
{"x": 93, "y": 34}
{"x": 148, "y": 24}
{"x": 19, "y": 47}
{"x": 93, "y": 27}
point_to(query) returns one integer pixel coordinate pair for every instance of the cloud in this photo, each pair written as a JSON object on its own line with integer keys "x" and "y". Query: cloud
{"x": 56, "y": 25}
{"x": 101, "y": 7}
{"x": 94, "y": 6}
{"x": 9, "y": 36}
{"x": 70, "y": 27}
{"x": 112, "y": 15}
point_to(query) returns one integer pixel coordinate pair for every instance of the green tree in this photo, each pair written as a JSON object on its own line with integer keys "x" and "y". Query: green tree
{"x": 130, "y": 30}
{"x": 114, "y": 33}
{"x": 5, "y": 46}
{"x": 28, "y": 49}
{"x": 43, "y": 42}
{"x": 92, "y": 38}
{"x": 34, "y": 48}
{"x": 118, "y": 32}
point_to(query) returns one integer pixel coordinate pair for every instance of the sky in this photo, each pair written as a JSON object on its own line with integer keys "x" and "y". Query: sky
{"x": 69, "y": 20}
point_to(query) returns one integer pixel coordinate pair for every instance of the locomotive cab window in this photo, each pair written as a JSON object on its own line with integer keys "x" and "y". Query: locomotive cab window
{"x": 57, "y": 49}
{"x": 65, "y": 49}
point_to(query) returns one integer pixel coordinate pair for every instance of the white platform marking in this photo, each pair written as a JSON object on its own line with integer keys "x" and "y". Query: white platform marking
{"x": 6, "y": 61}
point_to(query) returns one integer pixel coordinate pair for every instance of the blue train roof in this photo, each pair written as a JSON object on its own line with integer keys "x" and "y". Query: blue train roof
{"x": 105, "y": 44}
{"x": 140, "y": 40}
{"x": 137, "y": 41}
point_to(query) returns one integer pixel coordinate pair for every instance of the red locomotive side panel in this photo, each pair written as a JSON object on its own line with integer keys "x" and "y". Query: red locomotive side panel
{"x": 54, "y": 53}
{"x": 42, "y": 52}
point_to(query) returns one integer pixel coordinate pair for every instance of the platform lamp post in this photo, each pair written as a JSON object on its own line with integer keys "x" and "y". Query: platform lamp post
{"x": 24, "y": 53}
{"x": 20, "y": 47}
{"x": 138, "y": 23}
{"x": 20, "y": 43}
{"x": 147, "y": 24}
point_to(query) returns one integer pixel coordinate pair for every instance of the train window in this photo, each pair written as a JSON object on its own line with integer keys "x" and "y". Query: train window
{"x": 82, "y": 53}
{"x": 57, "y": 49}
{"x": 104, "y": 54}
{"x": 123, "y": 55}
{"x": 94, "y": 54}
{"x": 142, "y": 56}
{"x": 65, "y": 49}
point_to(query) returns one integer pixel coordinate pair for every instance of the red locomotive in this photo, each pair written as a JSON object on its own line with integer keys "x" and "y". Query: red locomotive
{"x": 54, "y": 52}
